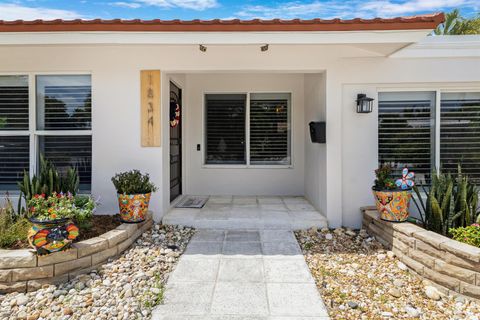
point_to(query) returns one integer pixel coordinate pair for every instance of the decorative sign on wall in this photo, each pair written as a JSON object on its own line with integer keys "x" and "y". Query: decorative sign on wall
{"x": 150, "y": 108}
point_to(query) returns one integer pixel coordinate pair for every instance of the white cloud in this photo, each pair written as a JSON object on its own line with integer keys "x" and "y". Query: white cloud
{"x": 389, "y": 8}
{"x": 130, "y": 5}
{"x": 351, "y": 8}
{"x": 11, "y": 11}
{"x": 295, "y": 9}
{"x": 198, "y": 5}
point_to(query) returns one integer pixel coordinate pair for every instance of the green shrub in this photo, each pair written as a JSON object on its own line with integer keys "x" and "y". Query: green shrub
{"x": 12, "y": 227}
{"x": 469, "y": 235}
{"x": 84, "y": 208}
{"x": 133, "y": 182}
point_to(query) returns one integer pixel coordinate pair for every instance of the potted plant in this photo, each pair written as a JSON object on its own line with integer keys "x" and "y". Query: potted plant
{"x": 133, "y": 190}
{"x": 392, "y": 198}
{"x": 51, "y": 217}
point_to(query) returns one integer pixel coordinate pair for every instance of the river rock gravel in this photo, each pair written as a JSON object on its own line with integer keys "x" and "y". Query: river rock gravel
{"x": 359, "y": 279}
{"x": 124, "y": 288}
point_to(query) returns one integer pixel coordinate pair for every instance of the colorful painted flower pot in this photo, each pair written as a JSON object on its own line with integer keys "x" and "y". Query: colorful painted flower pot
{"x": 48, "y": 236}
{"x": 392, "y": 205}
{"x": 133, "y": 207}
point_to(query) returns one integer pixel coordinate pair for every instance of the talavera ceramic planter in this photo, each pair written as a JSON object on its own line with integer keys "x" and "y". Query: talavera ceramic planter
{"x": 133, "y": 207}
{"x": 392, "y": 205}
{"x": 48, "y": 236}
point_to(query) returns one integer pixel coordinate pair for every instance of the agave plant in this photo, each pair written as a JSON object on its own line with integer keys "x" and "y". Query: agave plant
{"x": 450, "y": 202}
{"x": 47, "y": 182}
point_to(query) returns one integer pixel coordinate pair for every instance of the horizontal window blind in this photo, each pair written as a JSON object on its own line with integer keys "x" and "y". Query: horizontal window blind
{"x": 460, "y": 133}
{"x": 14, "y": 103}
{"x": 406, "y": 132}
{"x": 225, "y": 128}
{"x": 269, "y": 128}
{"x": 64, "y": 103}
{"x": 14, "y": 159}
{"x": 66, "y": 151}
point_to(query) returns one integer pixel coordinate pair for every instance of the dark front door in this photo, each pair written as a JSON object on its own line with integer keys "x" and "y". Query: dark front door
{"x": 175, "y": 142}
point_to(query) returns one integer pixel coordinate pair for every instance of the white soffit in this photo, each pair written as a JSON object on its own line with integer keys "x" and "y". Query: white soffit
{"x": 218, "y": 38}
{"x": 442, "y": 47}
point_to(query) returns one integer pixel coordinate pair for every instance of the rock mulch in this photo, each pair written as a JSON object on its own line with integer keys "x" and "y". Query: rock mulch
{"x": 125, "y": 288}
{"x": 359, "y": 279}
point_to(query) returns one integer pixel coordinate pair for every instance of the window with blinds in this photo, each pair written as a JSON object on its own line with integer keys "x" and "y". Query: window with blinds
{"x": 460, "y": 133}
{"x": 64, "y": 102}
{"x": 70, "y": 151}
{"x": 270, "y": 128}
{"x": 13, "y": 103}
{"x": 225, "y": 128}
{"x": 14, "y": 159}
{"x": 406, "y": 132}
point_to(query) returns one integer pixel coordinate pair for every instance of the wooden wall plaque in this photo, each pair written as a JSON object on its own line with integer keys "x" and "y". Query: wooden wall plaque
{"x": 150, "y": 108}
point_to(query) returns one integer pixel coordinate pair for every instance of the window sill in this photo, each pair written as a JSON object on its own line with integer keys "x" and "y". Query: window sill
{"x": 236, "y": 166}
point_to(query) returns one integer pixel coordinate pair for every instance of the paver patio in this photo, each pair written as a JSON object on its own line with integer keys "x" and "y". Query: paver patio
{"x": 242, "y": 274}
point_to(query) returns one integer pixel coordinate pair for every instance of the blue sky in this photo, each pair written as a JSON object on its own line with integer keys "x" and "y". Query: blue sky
{"x": 226, "y": 9}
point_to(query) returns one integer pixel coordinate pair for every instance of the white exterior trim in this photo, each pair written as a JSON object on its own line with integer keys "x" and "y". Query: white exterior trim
{"x": 217, "y": 38}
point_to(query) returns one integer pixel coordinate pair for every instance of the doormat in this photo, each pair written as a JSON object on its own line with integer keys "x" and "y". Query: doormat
{"x": 192, "y": 202}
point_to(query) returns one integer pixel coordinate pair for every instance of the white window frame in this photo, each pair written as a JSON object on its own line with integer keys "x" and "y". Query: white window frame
{"x": 32, "y": 131}
{"x": 437, "y": 110}
{"x": 247, "y": 133}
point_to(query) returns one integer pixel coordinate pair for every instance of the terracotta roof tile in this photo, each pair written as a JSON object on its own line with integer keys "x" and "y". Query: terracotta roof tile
{"x": 428, "y": 21}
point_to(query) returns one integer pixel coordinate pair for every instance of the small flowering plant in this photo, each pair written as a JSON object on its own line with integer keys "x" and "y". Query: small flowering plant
{"x": 469, "y": 234}
{"x": 56, "y": 206}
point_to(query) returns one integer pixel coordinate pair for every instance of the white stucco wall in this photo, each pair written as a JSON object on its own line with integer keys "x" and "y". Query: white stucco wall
{"x": 221, "y": 180}
{"x": 315, "y": 153}
{"x": 349, "y": 156}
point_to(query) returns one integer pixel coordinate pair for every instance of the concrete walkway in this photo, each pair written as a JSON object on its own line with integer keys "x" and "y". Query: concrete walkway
{"x": 248, "y": 275}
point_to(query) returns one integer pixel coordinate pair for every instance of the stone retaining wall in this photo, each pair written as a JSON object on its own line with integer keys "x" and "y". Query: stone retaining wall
{"x": 22, "y": 270}
{"x": 453, "y": 265}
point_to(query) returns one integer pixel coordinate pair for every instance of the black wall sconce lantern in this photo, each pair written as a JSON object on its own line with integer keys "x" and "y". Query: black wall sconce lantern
{"x": 364, "y": 103}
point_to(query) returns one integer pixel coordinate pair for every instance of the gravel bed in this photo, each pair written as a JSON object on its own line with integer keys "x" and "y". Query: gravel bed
{"x": 359, "y": 279}
{"x": 125, "y": 288}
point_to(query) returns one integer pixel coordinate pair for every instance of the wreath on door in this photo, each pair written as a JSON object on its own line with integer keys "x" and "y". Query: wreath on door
{"x": 174, "y": 109}
{"x": 174, "y": 114}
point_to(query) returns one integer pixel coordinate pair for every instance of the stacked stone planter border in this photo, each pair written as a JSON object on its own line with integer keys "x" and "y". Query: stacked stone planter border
{"x": 22, "y": 270}
{"x": 451, "y": 265}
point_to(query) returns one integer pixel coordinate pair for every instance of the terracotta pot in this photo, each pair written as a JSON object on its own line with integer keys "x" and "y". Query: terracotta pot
{"x": 48, "y": 236}
{"x": 392, "y": 205}
{"x": 133, "y": 207}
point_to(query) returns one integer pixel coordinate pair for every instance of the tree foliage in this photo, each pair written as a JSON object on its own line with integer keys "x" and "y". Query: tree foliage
{"x": 456, "y": 24}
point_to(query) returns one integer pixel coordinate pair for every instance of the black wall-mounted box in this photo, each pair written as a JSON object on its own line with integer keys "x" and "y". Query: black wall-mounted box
{"x": 318, "y": 132}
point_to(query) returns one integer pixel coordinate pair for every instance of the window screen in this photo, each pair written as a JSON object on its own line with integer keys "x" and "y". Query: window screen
{"x": 460, "y": 133}
{"x": 270, "y": 128}
{"x": 225, "y": 128}
{"x": 406, "y": 132}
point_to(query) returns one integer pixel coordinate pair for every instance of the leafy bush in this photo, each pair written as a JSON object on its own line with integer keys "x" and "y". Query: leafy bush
{"x": 383, "y": 179}
{"x": 84, "y": 208}
{"x": 469, "y": 235}
{"x": 450, "y": 203}
{"x": 133, "y": 182}
{"x": 12, "y": 227}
